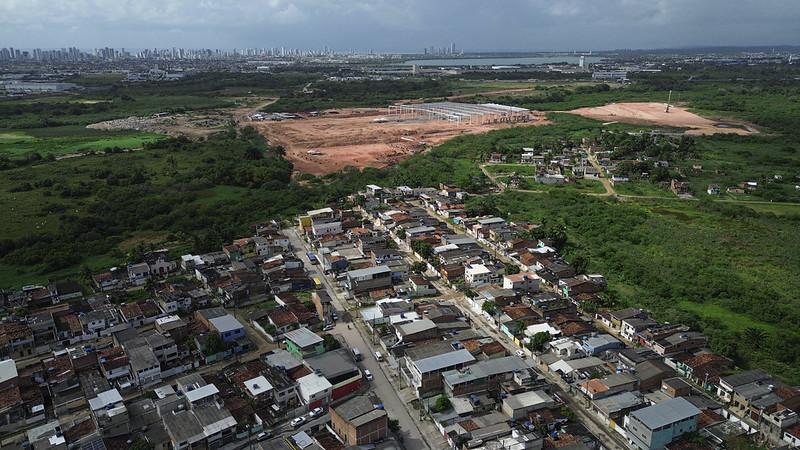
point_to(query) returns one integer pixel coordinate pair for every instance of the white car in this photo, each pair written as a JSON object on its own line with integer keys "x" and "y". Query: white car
{"x": 328, "y": 327}
{"x": 520, "y": 353}
{"x": 298, "y": 421}
{"x": 368, "y": 374}
{"x": 264, "y": 435}
{"x": 316, "y": 412}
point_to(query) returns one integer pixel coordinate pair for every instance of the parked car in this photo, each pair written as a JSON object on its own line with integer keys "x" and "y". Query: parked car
{"x": 328, "y": 327}
{"x": 334, "y": 316}
{"x": 520, "y": 353}
{"x": 264, "y": 435}
{"x": 368, "y": 374}
{"x": 298, "y": 421}
{"x": 317, "y": 412}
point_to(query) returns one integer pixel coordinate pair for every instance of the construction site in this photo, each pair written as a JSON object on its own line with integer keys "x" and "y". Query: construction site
{"x": 333, "y": 140}
{"x": 461, "y": 113}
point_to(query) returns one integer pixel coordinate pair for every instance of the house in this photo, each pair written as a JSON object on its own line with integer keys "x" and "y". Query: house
{"x": 679, "y": 342}
{"x": 658, "y": 425}
{"x": 110, "y": 414}
{"x": 679, "y": 187}
{"x": 418, "y": 330}
{"x": 339, "y": 368}
{"x": 740, "y": 389}
{"x": 369, "y": 279}
{"x": 713, "y": 189}
{"x": 114, "y": 364}
{"x": 303, "y": 342}
{"x": 421, "y": 287}
{"x": 705, "y": 369}
{"x": 518, "y": 406}
{"x": 423, "y": 370}
{"x": 160, "y": 263}
{"x": 209, "y": 426}
{"x": 676, "y": 387}
{"x": 106, "y": 281}
{"x": 526, "y": 282}
{"x": 359, "y": 421}
{"x": 228, "y": 327}
{"x": 597, "y": 388}
{"x": 138, "y": 273}
{"x": 145, "y": 367}
{"x": 314, "y": 390}
{"x": 68, "y": 290}
{"x": 476, "y": 275}
{"x": 482, "y": 377}
{"x": 616, "y": 407}
{"x": 497, "y": 158}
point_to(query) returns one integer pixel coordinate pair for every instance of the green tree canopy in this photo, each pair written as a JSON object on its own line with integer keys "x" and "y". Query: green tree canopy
{"x": 214, "y": 343}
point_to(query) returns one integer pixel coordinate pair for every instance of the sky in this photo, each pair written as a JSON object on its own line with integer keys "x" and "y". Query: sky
{"x": 399, "y": 26}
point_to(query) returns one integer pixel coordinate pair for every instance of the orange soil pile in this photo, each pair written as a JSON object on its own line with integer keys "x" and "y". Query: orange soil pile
{"x": 654, "y": 114}
{"x": 331, "y": 142}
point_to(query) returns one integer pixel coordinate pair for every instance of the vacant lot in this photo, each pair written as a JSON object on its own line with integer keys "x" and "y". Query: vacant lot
{"x": 653, "y": 114}
{"x": 331, "y": 142}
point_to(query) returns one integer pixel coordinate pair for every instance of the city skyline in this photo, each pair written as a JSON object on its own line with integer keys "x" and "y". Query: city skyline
{"x": 398, "y": 27}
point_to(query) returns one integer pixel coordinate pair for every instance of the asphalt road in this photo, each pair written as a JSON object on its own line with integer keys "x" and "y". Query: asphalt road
{"x": 385, "y": 389}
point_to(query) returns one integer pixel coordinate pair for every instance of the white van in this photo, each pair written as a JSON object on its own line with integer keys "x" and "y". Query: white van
{"x": 378, "y": 356}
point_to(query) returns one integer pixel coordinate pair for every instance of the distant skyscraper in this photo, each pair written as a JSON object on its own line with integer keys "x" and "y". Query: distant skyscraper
{"x": 453, "y": 48}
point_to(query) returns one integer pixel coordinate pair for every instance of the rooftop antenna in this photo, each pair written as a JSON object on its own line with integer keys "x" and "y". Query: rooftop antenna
{"x": 669, "y": 99}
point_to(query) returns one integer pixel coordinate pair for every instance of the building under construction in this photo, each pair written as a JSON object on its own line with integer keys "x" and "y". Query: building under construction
{"x": 472, "y": 114}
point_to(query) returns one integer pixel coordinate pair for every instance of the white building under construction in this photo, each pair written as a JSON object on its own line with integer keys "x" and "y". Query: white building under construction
{"x": 487, "y": 113}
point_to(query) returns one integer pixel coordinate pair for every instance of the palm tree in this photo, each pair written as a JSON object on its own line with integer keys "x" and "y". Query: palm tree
{"x": 755, "y": 336}
{"x": 520, "y": 326}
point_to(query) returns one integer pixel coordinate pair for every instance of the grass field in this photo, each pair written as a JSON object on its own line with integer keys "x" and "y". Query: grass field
{"x": 642, "y": 188}
{"x": 62, "y": 142}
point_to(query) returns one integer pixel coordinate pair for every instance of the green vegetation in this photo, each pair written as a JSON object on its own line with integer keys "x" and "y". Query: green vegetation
{"x": 725, "y": 265}
{"x": 29, "y": 147}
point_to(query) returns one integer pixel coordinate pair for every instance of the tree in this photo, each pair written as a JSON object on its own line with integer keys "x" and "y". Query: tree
{"x": 441, "y": 404}
{"x": 172, "y": 162}
{"x": 538, "y": 340}
{"x": 754, "y": 336}
{"x": 401, "y": 233}
{"x": 394, "y": 426}
{"x": 511, "y": 269}
{"x": 214, "y": 343}
{"x": 489, "y": 306}
{"x": 470, "y": 294}
{"x": 519, "y": 326}
{"x": 139, "y": 443}
{"x": 423, "y": 249}
{"x": 418, "y": 267}
{"x": 330, "y": 342}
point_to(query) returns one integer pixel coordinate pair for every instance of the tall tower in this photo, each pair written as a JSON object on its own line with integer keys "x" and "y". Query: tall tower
{"x": 582, "y": 62}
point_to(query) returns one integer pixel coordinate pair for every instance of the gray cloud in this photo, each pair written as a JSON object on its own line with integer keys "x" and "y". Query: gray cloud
{"x": 532, "y": 25}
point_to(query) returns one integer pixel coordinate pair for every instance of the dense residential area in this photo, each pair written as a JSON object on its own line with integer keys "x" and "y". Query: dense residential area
{"x": 397, "y": 322}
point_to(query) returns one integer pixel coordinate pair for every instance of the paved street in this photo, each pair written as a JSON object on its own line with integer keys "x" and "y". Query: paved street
{"x": 386, "y": 385}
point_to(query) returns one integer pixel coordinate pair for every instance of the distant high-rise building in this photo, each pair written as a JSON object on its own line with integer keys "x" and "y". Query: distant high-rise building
{"x": 453, "y": 48}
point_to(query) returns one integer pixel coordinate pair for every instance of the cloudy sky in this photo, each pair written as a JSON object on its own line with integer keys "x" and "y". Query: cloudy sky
{"x": 399, "y": 25}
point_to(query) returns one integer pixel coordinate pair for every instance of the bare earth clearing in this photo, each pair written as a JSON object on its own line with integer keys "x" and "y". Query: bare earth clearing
{"x": 653, "y": 114}
{"x": 331, "y": 142}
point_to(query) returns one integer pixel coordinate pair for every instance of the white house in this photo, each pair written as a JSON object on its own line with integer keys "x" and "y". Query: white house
{"x": 477, "y": 275}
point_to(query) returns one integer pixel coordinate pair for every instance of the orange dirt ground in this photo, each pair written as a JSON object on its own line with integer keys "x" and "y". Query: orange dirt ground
{"x": 653, "y": 114}
{"x": 351, "y": 138}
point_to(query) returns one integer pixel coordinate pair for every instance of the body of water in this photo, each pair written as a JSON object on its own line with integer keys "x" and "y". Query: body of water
{"x": 451, "y": 62}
